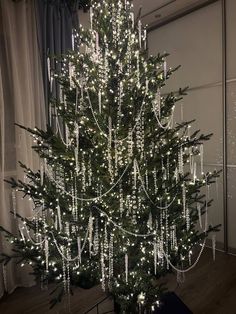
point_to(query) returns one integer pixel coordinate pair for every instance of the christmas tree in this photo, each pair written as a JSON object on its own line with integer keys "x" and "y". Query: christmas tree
{"x": 121, "y": 192}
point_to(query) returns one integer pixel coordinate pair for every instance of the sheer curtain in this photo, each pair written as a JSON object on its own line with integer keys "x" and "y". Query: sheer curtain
{"x": 21, "y": 101}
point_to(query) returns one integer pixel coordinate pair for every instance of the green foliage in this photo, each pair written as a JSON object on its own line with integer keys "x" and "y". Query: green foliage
{"x": 86, "y": 151}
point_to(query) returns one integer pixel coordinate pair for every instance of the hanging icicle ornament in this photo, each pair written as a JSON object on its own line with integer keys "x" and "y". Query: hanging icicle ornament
{"x": 91, "y": 17}
{"x": 71, "y": 74}
{"x": 49, "y": 68}
{"x": 126, "y": 267}
{"x": 145, "y": 38}
{"x": 59, "y": 217}
{"x": 201, "y": 159}
{"x": 100, "y": 101}
{"x": 90, "y": 228}
{"x": 41, "y": 173}
{"x": 140, "y": 33}
{"x": 181, "y": 161}
{"x": 21, "y": 233}
{"x": 73, "y": 41}
{"x": 13, "y": 195}
{"x": 79, "y": 249}
{"x": 199, "y": 214}
{"x": 46, "y": 250}
{"x": 165, "y": 68}
{"x": 132, "y": 19}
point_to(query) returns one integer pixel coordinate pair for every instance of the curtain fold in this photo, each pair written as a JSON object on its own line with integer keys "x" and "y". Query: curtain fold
{"x": 21, "y": 101}
{"x": 56, "y": 20}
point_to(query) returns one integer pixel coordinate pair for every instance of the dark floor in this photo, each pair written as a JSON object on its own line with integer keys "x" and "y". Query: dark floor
{"x": 210, "y": 288}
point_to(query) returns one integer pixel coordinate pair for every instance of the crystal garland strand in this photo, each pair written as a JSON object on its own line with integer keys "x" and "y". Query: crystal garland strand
{"x": 83, "y": 169}
{"x": 167, "y": 235}
{"x": 121, "y": 199}
{"x": 76, "y": 151}
{"x": 130, "y": 144}
{"x": 109, "y": 156}
{"x": 187, "y": 218}
{"x": 103, "y": 272}
{"x": 138, "y": 69}
{"x": 155, "y": 180}
{"x": 161, "y": 242}
{"x": 120, "y": 101}
{"x": 181, "y": 161}
{"x": 110, "y": 260}
{"x": 96, "y": 239}
{"x": 106, "y": 243}
{"x": 116, "y": 154}
{"x": 75, "y": 202}
{"x": 64, "y": 271}
{"x": 90, "y": 173}
{"x": 146, "y": 180}
{"x": 68, "y": 255}
{"x": 155, "y": 256}
{"x": 157, "y": 106}
{"x": 184, "y": 199}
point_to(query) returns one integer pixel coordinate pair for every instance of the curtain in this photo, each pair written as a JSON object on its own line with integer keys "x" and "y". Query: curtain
{"x": 21, "y": 101}
{"x": 56, "y": 20}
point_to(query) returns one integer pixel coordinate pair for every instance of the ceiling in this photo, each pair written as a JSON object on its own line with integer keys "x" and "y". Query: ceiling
{"x": 156, "y": 11}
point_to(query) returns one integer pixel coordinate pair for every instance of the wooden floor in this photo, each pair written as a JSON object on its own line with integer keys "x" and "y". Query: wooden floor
{"x": 210, "y": 288}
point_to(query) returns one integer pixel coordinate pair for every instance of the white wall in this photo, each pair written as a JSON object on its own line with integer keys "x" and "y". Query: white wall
{"x": 195, "y": 42}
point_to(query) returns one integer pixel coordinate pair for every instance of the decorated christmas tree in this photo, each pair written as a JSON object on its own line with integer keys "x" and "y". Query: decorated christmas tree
{"x": 121, "y": 193}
